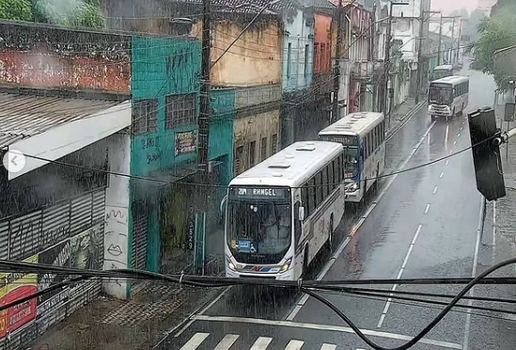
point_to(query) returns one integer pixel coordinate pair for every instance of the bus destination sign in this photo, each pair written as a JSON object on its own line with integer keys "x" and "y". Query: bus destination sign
{"x": 344, "y": 140}
{"x": 259, "y": 192}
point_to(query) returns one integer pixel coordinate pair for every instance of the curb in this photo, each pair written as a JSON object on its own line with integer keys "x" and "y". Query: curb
{"x": 406, "y": 118}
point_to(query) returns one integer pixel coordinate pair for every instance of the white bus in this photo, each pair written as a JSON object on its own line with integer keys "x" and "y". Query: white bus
{"x": 280, "y": 213}
{"x": 448, "y": 96}
{"x": 443, "y": 71}
{"x": 363, "y": 136}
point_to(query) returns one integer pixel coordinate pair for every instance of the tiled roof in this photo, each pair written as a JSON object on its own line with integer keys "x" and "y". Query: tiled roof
{"x": 23, "y": 115}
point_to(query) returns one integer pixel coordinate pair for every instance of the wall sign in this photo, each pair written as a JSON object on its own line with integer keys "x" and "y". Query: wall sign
{"x": 186, "y": 142}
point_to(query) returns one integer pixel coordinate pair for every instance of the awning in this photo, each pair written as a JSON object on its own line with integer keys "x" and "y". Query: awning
{"x": 51, "y": 127}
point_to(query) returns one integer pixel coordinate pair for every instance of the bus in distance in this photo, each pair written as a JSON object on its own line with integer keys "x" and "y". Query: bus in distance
{"x": 448, "y": 96}
{"x": 363, "y": 136}
{"x": 443, "y": 71}
{"x": 280, "y": 213}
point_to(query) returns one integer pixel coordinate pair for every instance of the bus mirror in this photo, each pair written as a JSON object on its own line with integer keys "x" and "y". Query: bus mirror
{"x": 223, "y": 204}
{"x": 301, "y": 214}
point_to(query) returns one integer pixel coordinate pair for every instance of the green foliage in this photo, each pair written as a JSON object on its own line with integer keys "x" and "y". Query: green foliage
{"x": 18, "y": 10}
{"x": 496, "y": 33}
{"x": 83, "y": 13}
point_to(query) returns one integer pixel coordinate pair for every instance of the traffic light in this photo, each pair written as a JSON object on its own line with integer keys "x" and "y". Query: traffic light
{"x": 486, "y": 153}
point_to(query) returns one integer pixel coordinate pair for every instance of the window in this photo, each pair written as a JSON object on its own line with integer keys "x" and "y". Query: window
{"x": 289, "y": 57}
{"x": 297, "y": 223}
{"x": 331, "y": 173}
{"x": 311, "y": 195}
{"x": 145, "y": 116}
{"x": 317, "y": 57}
{"x": 238, "y": 159}
{"x": 325, "y": 182}
{"x": 340, "y": 167}
{"x": 274, "y": 143}
{"x": 305, "y": 199}
{"x": 307, "y": 61}
{"x": 252, "y": 153}
{"x": 318, "y": 188}
{"x": 263, "y": 150}
{"x": 180, "y": 110}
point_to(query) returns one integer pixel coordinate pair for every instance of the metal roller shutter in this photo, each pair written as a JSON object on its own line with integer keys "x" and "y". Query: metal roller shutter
{"x": 139, "y": 243}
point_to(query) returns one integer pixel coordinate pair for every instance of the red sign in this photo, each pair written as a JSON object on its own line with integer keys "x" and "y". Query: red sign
{"x": 16, "y": 316}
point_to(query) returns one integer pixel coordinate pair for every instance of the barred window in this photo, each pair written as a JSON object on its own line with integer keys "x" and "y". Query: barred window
{"x": 145, "y": 116}
{"x": 180, "y": 110}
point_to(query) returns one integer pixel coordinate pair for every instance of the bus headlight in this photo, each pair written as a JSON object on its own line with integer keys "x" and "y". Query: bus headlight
{"x": 286, "y": 265}
{"x": 352, "y": 187}
{"x": 231, "y": 266}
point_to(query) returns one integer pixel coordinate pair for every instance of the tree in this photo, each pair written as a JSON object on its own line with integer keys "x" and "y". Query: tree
{"x": 18, "y": 10}
{"x": 496, "y": 32}
{"x": 83, "y": 13}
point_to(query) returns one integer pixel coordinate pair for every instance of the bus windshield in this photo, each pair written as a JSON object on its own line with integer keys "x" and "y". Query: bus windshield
{"x": 351, "y": 161}
{"x": 259, "y": 231}
{"x": 441, "y": 95}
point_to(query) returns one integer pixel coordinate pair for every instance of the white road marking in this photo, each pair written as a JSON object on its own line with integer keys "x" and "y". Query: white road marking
{"x": 294, "y": 345}
{"x": 427, "y": 209}
{"x": 400, "y": 273}
{"x": 324, "y": 327}
{"x": 195, "y": 341}
{"x": 261, "y": 343}
{"x": 454, "y": 142}
{"x": 447, "y": 162}
{"x": 227, "y": 342}
{"x": 299, "y": 305}
{"x": 329, "y": 347}
{"x": 215, "y": 300}
{"x": 458, "y": 135}
{"x": 435, "y": 189}
{"x": 467, "y": 326}
{"x": 442, "y": 174}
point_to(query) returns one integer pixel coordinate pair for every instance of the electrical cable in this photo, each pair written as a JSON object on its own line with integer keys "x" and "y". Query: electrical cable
{"x": 427, "y": 329}
{"x": 144, "y": 178}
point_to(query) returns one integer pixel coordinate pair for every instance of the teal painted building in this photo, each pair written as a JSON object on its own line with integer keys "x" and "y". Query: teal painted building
{"x": 165, "y": 92}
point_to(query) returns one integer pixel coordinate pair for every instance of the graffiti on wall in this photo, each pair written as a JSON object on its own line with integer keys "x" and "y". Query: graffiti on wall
{"x": 79, "y": 251}
{"x": 115, "y": 243}
{"x": 14, "y": 286}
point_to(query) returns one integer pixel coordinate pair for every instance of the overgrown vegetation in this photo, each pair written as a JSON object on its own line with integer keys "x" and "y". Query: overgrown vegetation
{"x": 18, "y": 10}
{"x": 84, "y": 13}
{"x": 75, "y": 13}
{"x": 496, "y": 32}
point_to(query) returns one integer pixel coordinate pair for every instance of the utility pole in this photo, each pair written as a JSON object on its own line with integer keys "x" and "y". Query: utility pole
{"x": 452, "y": 39}
{"x": 439, "y": 54}
{"x": 204, "y": 128}
{"x": 336, "y": 68}
{"x": 419, "y": 53}
{"x": 458, "y": 39}
{"x": 386, "y": 62}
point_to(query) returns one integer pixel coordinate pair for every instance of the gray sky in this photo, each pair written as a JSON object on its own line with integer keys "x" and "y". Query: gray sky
{"x": 449, "y": 5}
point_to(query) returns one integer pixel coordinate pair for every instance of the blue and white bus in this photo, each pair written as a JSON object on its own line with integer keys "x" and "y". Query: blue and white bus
{"x": 363, "y": 136}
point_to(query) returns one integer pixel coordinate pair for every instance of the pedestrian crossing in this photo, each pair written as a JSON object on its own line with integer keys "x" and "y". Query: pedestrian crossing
{"x": 198, "y": 341}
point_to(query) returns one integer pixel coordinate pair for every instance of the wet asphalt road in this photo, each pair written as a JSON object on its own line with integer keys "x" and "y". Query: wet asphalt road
{"x": 421, "y": 223}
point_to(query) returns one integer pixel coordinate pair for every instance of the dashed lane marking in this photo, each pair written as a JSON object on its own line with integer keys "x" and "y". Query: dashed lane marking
{"x": 427, "y": 209}
{"x": 435, "y": 189}
{"x": 442, "y": 174}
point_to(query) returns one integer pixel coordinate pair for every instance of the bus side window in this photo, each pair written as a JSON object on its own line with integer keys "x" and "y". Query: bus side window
{"x": 325, "y": 183}
{"x": 304, "y": 198}
{"x": 297, "y": 223}
{"x": 311, "y": 195}
{"x": 331, "y": 177}
{"x": 341, "y": 167}
{"x": 318, "y": 188}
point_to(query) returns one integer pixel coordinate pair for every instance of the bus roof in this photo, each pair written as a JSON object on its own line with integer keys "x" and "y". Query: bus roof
{"x": 291, "y": 166}
{"x": 353, "y": 124}
{"x": 452, "y": 80}
{"x": 444, "y": 67}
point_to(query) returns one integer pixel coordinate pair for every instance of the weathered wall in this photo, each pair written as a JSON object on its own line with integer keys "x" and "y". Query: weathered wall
{"x": 322, "y": 45}
{"x": 116, "y": 217}
{"x": 254, "y": 59}
{"x": 54, "y": 57}
{"x": 298, "y": 50}
{"x": 254, "y": 129}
